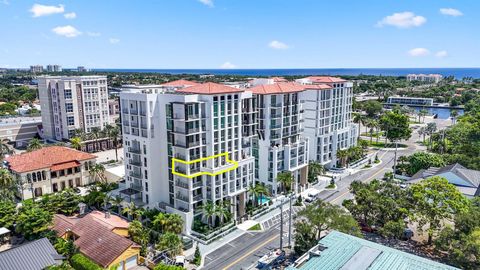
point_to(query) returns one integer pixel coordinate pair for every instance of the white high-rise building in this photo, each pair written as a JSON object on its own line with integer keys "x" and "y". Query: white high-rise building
{"x": 280, "y": 145}
{"x": 54, "y": 68}
{"x": 190, "y": 126}
{"x": 70, "y": 103}
{"x": 36, "y": 69}
{"x": 328, "y": 117}
{"x": 435, "y": 78}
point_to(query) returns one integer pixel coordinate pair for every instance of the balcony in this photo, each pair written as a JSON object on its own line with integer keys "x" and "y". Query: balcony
{"x": 134, "y": 150}
{"x": 197, "y": 184}
{"x": 134, "y": 111}
{"x": 182, "y": 184}
{"x": 181, "y": 197}
{"x": 136, "y": 174}
{"x": 198, "y": 197}
{"x": 136, "y": 187}
{"x": 137, "y": 163}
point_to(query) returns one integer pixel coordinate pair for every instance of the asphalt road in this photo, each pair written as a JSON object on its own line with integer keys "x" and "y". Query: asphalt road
{"x": 244, "y": 252}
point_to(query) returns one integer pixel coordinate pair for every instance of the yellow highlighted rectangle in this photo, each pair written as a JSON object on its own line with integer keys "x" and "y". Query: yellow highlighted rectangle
{"x": 226, "y": 155}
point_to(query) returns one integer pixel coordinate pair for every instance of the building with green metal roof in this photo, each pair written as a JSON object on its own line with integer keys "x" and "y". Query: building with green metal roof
{"x": 339, "y": 251}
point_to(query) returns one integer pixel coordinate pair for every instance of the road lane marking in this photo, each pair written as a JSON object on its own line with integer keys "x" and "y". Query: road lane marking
{"x": 251, "y": 251}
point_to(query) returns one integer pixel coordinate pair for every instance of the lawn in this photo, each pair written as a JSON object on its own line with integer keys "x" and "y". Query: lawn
{"x": 383, "y": 145}
{"x": 255, "y": 227}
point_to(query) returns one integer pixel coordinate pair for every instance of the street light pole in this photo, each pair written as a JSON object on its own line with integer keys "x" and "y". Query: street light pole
{"x": 395, "y": 160}
{"x": 281, "y": 225}
{"x": 290, "y": 223}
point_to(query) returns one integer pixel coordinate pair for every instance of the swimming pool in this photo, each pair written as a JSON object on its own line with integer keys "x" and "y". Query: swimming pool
{"x": 263, "y": 200}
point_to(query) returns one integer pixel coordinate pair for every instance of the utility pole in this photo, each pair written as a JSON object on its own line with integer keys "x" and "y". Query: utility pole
{"x": 395, "y": 160}
{"x": 290, "y": 223}
{"x": 281, "y": 225}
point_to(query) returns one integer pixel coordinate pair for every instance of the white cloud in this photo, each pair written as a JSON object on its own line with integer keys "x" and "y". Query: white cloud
{"x": 405, "y": 19}
{"x": 207, "y": 2}
{"x": 441, "y": 54}
{"x": 419, "y": 52}
{"x": 70, "y": 15}
{"x": 114, "y": 40}
{"x": 228, "y": 65}
{"x": 451, "y": 12}
{"x": 41, "y": 10}
{"x": 278, "y": 45}
{"x": 93, "y": 34}
{"x": 66, "y": 31}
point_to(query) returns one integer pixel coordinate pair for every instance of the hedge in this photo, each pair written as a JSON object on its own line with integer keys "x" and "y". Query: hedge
{"x": 167, "y": 267}
{"x": 80, "y": 262}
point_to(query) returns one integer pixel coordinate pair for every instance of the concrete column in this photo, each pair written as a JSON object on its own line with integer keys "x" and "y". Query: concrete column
{"x": 241, "y": 204}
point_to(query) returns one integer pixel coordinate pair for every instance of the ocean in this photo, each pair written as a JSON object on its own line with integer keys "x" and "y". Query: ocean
{"x": 458, "y": 73}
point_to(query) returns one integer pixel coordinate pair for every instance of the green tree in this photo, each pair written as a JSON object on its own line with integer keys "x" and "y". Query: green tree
{"x": 117, "y": 202}
{"x": 34, "y": 144}
{"x": 76, "y": 143}
{"x": 253, "y": 191}
{"x": 421, "y": 160}
{"x": 314, "y": 169}
{"x": 171, "y": 243}
{"x": 140, "y": 235}
{"x": 6, "y": 178}
{"x": 359, "y": 119}
{"x": 33, "y": 221}
{"x": 5, "y": 148}
{"x": 113, "y": 133}
{"x": 395, "y": 126}
{"x": 95, "y": 135}
{"x": 373, "y": 108}
{"x": 323, "y": 216}
{"x": 208, "y": 212}
{"x": 8, "y": 212}
{"x": 286, "y": 180}
{"x": 197, "y": 258}
{"x": 342, "y": 155}
{"x": 461, "y": 243}
{"x": 65, "y": 247}
{"x": 222, "y": 210}
{"x": 435, "y": 201}
{"x": 98, "y": 173}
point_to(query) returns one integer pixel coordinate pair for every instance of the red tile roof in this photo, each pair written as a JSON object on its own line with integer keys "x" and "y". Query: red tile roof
{"x": 47, "y": 157}
{"x": 317, "y": 86}
{"x": 210, "y": 89}
{"x": 94, "y": 239}
{"x": 279, "y": 79}
{"x": 325, "y": 79}
{"x": 180, "y": 83}
{"x": 112, "y": 222}
{"x": 65, "y": 165}
{"x": 277, "y": 88}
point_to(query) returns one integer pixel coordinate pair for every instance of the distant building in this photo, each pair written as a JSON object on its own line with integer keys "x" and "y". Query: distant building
{"x": 467, "y": 181}
{"x": 410, "y": 101}
{"x": 35, "y": 255}
{"x": 50, "y": 169}
{"x": 433, "y": 78}
{"x": 101, "y": 237}
{"x": 20, "y": 130}
{"x": 81, "y": 69}
{"x": 71, "y": 103}
{"x": 340, "y": 251}
{"x": 54, "y": 68}
{"x": 36, "y": 69}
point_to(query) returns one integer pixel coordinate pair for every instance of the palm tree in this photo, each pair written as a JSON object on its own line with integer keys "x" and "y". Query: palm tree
{"x": 423, "y": 113}
{"x": 34, "y": 144}
{"x": 159, "y": 222}
{"x": 76, "y": 143}
{"x": 5, "y": 148}
{"x": 174, "y": 224}
{"x": 98, "y": 172}
{"x": 131, "y": 210}
{"x": 116, "y": 202}
{"x": 358, "y": 119}
{"x": 286, "y": 179}
{"x": 222, "y": 210}
{"x": 6, "y": 179}
{"x": 171, "y": 243}
{"x": 422, "y": 132}
{"x": 113, "y": 133}
{"x": 95, "y": 133}
{"x": 342, "y": 154}
{"x": 314, "y": 169}
{"x": 454, "y": 114}
{"x": 208, "y": 212}
{"x": 252, "y": 190}
{"x": 79, "y": 133}
{"x": 262, "y": 190}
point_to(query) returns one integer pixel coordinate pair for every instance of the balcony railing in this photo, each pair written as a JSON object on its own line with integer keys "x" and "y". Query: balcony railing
{"x": 198, "y": 197}
{"x": 136, "y": 174}
{"x": 134, "y": 150}
{"x": 136, "y": 187}
{"x": 182, "y": 184}
{"x": 135, "y": 162}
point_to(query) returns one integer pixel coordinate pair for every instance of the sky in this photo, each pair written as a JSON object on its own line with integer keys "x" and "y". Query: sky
{"x": 198, "y": 34}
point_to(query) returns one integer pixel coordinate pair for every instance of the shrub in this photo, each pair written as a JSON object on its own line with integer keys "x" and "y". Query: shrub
{"x": 197, "y": 259}
{"x": 80, "y": 262}
{"x": 167, "y": 267}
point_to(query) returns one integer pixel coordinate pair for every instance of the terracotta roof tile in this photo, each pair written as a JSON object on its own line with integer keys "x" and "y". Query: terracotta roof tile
{"x": 94, "y": 239}
{"x": 277, "y": 88}
{"x": 112, "y": 222}
{"x": 325, "y": 79}
{"x": 317, "y": 86}
{"x": 210, "y": 89}
{"x": 47, "y": 157}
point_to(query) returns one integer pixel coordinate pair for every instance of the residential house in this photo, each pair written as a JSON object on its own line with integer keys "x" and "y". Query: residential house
{"x": 35, "y": 255}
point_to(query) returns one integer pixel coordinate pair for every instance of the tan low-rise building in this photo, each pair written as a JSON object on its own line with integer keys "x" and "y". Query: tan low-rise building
{"x": 51, "y": 169}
